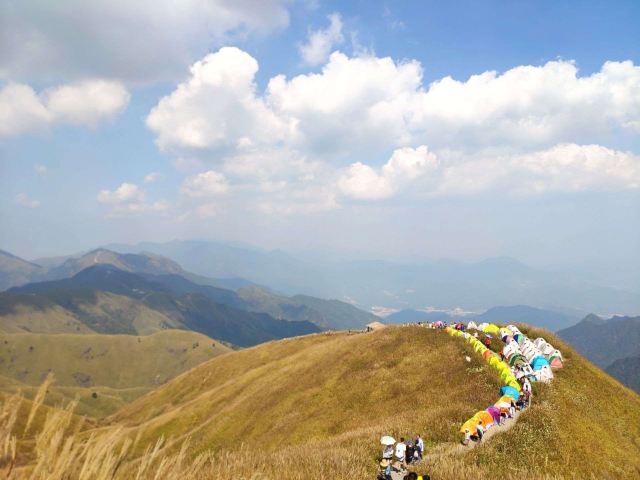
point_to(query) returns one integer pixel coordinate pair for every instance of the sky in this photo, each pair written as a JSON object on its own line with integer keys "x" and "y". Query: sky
{"x": 393, "y": 130}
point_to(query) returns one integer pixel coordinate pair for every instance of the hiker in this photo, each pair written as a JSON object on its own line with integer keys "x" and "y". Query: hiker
{"x": 467, "y": 437}
{"x": 526, "y": 388}
{"x": 401, "y": 450}
{"x": 387, "y": 452}
{"x": 487, "y": 341}
{"x": 512, "y": 409}
{"x": 480, "y": 432}
{"x": 420, "y": 445}
{"x": 409, "y": 452}
{"x": 385, "y": 469}
{"x": 397, "y": 467}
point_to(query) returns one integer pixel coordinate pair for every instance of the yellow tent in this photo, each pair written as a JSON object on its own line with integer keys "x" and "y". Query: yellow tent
{"x": 492, "y": 328}
{"x": 471, "y": 424}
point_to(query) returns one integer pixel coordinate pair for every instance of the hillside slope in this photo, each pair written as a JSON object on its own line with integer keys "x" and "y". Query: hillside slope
{"x": 118, "y": 367}
{"x": 604, "y": 341}
{"x": 323, "y": 396}
{"x": 627, "y": 370}
{"x": 108, "y": 300}
{"x": 16, "y": 271}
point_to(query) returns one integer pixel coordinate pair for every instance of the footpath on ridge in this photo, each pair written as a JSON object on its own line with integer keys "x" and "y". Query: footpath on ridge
{"x": 519, "y": 359}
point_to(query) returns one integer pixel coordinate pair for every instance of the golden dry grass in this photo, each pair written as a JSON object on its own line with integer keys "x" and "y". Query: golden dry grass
{"x": 314, "y": 407}
{"x": 117, "y": 368}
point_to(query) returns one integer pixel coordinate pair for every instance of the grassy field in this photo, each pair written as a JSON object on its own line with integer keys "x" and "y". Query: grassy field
{"x": 83, "y": 312}
{"x": 315, "y": 406}
{"x": 103, "y": 371}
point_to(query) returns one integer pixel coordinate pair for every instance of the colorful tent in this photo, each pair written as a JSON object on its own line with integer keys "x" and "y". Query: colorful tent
{"x": 538, "y": 362}
{"x": 492, "y": 329}
{"x": 494, "y": 361}
{"x": 495, "y": 413}
{"x": 518, "y": 337}
{"x": 471, "y": 424}
{"x": 504, "y": 402}
{"x": 472, "y": 325}
{"x": 484, "y": 418}
{"x": 487, "y": 354}
{"x": 556, "y": 362}
{"x": 511, "y": 391}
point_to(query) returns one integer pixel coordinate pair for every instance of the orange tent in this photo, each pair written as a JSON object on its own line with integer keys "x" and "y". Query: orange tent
{"x": 484, "y": 418}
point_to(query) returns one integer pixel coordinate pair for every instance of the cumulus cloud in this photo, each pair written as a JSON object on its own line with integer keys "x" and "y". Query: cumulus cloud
{"x": 86, "y": 103}
{"x": 24, "y": 200}
{"x": 363, "y": 182}
{"x": 217, "y": 108}
{"x": 125, "y": 193}
{"x": 154, "y": 39}
{"x": 561, "y": 168}
{"x": 320, "y": 42}
{"x": 521, "y": 131}
{"x": 83, "y": 103}
{"x": 128, "y": 200}
{"x": 206, "y": 184}
{"x": 151, "y": 177}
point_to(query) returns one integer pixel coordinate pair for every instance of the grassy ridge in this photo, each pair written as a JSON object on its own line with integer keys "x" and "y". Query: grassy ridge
{"x": 118, "y": 368}
{"x": 315, "y": 406}
{"x": 320, "y": 387}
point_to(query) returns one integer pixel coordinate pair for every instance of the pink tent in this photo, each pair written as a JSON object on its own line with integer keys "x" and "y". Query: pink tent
{"x": 556, "y": 362}
{"x": 495, "y": 414}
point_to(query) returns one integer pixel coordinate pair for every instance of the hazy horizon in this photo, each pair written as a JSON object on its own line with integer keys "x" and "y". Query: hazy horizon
{"x": 394, "y": 132}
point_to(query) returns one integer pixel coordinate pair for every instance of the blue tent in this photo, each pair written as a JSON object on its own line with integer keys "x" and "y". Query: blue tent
{"x": 538, "y": 362}
{"x": 512, "y": 392}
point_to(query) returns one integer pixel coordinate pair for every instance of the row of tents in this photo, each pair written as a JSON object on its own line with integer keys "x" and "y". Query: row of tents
{"x": 534, "y": 360}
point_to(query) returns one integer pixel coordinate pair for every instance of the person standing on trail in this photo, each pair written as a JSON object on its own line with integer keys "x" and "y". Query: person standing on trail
{"x": 410, "y": 450}
{"x": 467, "y": 437}
{"x": 420, "y": 445}
{"x": 401, "y": 450}
{"x": 480, "y": 432}
{"x": 387, "y": 452}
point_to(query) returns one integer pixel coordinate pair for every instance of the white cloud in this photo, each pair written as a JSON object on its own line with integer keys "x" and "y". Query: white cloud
{"x": 151, "y": 177}
{"x": 82, "y": 104}
{"x": 561, "y": 168}
{"x": 128, "y": 199}
{"x": 363, "y": 182}
{"x": 530, "y": 105}
{"x": 24, "y": 200}
{"x": 125, "y": 193}
{"x": 41, "y": 170}
{"x": 86, "y": 103}
{"x": 310, "y": 133}
{"x": 206, "y": 184}
{"x": 574, "y": 168}
{"x": 217, "y": 108}
{"x": 320, "y": 42}
{"x": 21, "y": 110}
{"x": 151, "y": 40}
{"x": 355, "y": 104}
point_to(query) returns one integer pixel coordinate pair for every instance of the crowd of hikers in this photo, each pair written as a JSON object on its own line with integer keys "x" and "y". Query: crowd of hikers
{"x": 398, "y": 455}
{"x": 516, "y": 394}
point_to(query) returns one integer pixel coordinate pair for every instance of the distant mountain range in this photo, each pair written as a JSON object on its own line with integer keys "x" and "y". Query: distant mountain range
{"x": 442, "y": 284}
{"x": 538, "y": 317}
{"x": 108, "y": 300}
{"x": 612, "y": 344}
{"x": 139, "y": 283}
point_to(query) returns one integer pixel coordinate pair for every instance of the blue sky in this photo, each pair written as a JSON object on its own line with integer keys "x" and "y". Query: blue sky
{"x": 368, "y": 152}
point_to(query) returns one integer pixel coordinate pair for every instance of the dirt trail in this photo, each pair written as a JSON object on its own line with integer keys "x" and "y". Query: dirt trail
{"x": 448, "y": 449}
